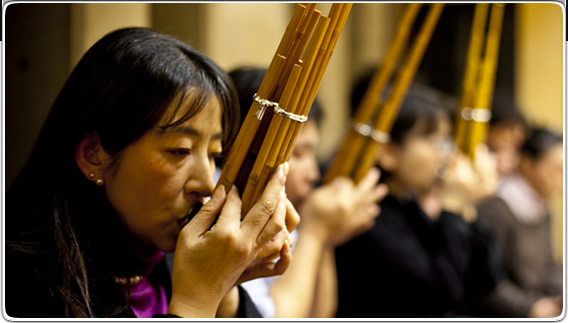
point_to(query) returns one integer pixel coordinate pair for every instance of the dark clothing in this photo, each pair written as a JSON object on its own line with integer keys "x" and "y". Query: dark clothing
{"x": 34, "y": 262}
{"x": 407, "y": 265}
{"x": 531, "y": 272}
{"x": 246, "y": 307}
{"x": 29, "y": 296}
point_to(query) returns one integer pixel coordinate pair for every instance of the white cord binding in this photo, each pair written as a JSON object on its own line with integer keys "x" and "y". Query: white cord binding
{"x": 264, "y": 103}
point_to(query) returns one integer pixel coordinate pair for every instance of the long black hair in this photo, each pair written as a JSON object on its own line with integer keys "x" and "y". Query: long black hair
{"x": 59, "y": 226}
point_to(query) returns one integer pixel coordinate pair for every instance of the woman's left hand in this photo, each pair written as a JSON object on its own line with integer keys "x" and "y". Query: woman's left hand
{"x": 210, "y": 259}
{"x": 276, "y": 249}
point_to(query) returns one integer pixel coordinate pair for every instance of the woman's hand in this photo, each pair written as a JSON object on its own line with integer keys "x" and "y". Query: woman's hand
{"x": 546, "y": 307}
{"x": 485, "y": 165}
{"x": 341, "y": 210}
{"x": 210, "y": 259}
{"x": 467, "y": 182}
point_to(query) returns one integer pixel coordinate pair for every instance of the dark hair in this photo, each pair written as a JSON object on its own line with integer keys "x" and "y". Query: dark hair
{"x": 539, "y": 142}
{"x": 504, "y": 109}
{"x": 422, "y": 104}
{"x": 247, "y": 80}
{"x": 120, "y": 89}
{"x": 420, "y": 112}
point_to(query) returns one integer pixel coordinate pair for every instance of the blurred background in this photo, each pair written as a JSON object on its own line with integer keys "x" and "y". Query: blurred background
{"x": 43, "y": 42}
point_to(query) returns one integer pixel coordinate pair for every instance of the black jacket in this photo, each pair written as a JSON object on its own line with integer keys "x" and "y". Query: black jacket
{"x": 410, "y": 266}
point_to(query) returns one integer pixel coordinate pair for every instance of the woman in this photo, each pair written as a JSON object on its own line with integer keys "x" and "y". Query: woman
{"x": 519, "y": 217}
{"x": 418, "y": 260}
{"x": 126, "y": 152}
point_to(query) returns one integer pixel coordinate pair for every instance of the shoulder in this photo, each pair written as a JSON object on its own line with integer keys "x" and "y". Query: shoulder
{"x": 493, "y": 205}
{"x": 494, "y": 212}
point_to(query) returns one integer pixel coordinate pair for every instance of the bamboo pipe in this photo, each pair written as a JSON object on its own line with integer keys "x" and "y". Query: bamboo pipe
{"x": 477, "y": 37}
{"x": 337, "y": 23}
{"x": 332, "y": 27}
{"x": 279, "y": 133}
{"x": 481, "y": 114}
{"x": 388, "y": 112}
{"x": 265, "y": 132}
{"x": 251, "y": 123}
{"x": 354, "y": 142}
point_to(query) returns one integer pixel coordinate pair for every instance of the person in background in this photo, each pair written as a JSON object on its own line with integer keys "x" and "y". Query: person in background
{"x": 506, "y": 133}
{"x": 519, "y": 218}
{"x": 331, "y": 215}
{"x": 419, "y": 260}
{"x": 127, "y": 151}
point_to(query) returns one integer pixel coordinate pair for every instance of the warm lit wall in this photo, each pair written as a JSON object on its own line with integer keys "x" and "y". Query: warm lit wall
{"x": 539, "y": 79}
{"x": 91, "y": 21}
{"x": 244, "y": 33}
{"x": 539, "y": 63}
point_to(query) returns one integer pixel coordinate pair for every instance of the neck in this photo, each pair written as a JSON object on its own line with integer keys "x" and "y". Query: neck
{"x": 144, "y": 256}
{"x": 429, "y": 202}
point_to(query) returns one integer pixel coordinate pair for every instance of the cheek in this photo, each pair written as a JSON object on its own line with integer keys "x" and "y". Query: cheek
{"x": 550, "y": 180}
{"x": 303, "y": 169}
{"x": 418, "y": 167}
{"x": 294, "y": 189}
{"x": 143, "y": 190}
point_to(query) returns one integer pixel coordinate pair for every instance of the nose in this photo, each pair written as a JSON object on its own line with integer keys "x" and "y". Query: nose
{"x": 200, "y": 180}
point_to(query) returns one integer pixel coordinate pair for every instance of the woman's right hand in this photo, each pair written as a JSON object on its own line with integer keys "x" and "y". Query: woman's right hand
{"x": 341, "y": 210}
{"x": 210, "y": 259}
{"x": 467, "y": 182}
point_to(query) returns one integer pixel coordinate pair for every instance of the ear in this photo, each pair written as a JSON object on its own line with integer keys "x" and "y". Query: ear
{"x": 91, "y": 158}
{"x": 387, "y": 157}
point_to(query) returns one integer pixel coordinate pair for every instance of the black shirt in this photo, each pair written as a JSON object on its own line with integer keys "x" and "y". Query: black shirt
{"x": 408, "y": 265}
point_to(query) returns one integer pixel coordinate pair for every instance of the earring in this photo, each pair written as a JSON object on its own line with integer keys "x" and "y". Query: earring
{"x": 100, "y": 182}
{"x": 91, "y": 175}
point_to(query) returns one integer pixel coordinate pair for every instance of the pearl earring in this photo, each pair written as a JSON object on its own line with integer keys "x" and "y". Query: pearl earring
{"x": 91, "y": 175}
{"x": 100, "y": 182}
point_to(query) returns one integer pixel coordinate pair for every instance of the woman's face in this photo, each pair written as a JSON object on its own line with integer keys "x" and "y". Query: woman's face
{"x": 304, "y": 171}
{"x": 545, "y": 173}
{"x": 422, "y": 157}
{"x": 160, "y": 177}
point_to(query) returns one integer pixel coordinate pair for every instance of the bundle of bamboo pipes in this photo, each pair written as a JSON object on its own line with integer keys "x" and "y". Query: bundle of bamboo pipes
{"x": 479, "y": 78}
{"x": 374, "y": 119}
{"x": 283, "y": 100}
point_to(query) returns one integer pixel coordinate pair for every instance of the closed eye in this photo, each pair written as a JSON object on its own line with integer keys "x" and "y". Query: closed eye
{"x": 179, "y": 151}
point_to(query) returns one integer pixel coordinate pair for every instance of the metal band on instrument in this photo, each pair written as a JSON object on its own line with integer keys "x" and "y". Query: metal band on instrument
{"x": 264, "y": 103}
{"x": 368, "y": 131}
{"x": 479, "y": 115}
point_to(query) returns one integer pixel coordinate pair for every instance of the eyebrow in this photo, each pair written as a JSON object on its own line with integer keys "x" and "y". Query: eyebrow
{"x": 191, "y": 132}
